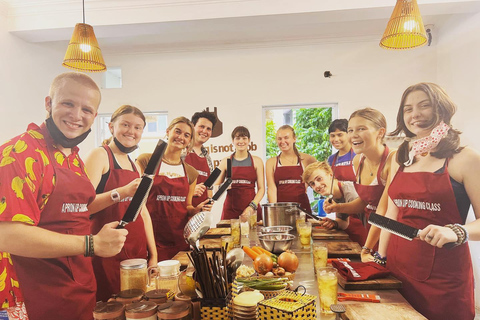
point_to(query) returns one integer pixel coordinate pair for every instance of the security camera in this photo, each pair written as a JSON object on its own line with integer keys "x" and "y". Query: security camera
{"x": 327, "y": 74}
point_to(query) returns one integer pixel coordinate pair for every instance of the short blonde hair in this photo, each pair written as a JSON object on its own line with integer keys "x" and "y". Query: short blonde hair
{"x": 322, "y": 165}
{"x": 75, "y": 76}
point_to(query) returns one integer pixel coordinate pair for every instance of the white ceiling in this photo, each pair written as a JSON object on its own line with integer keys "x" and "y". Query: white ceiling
{"x": 130, "y": 26}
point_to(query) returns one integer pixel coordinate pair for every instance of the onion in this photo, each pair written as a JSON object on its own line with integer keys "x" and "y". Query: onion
{"x": 263, "y": 263}
{"x": 288, "y": 261}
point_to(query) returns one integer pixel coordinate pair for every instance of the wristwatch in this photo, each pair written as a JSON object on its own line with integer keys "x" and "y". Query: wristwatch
{"x": 115, "y": 196}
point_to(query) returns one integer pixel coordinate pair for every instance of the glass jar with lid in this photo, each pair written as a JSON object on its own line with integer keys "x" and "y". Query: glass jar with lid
{"x": 143, "y": 310}
{"x": 128, "y": 296}
{"x": 174, "y": 310}
{"x": 133, "y": 274}
{"x": 109, "y": 311}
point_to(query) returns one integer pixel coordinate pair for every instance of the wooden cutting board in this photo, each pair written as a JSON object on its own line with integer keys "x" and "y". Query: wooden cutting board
{"x": 217, "y": 232}
{"x": 324, "y": 234}
{"x": 183, "y": 258}
{"x": 387, "y": 283}
{"x": 211, "y": 244}
{"x": 344, "y": 249}
{"x": 381, "y": 311}
{"x": 223, "y": 224}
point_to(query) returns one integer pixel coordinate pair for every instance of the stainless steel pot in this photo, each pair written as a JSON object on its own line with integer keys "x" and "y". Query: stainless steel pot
{"x": 280, "y": 214}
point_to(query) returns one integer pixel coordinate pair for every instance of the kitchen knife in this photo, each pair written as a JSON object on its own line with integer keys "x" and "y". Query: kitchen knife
{"x": 212, "y": 178}
{"x": 398, "y": 228}
{"x": 229, "y": 168}
{"x": 222, "y": 189}
{"x": 144, "y": 187}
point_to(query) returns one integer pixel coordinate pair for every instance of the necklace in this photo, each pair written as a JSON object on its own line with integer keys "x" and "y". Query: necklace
{"x": 370, "y": 168}
{"x": 171, "y": 162}
{"x": 286, "y": 160}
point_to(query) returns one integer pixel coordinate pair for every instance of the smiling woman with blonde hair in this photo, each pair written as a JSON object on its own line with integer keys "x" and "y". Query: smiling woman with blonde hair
{"x": 170, "y": 199}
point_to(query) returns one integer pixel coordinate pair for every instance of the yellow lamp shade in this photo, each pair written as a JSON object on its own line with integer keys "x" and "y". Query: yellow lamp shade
{"x": 405, "y": 29}
{"x": 83, "y": 52}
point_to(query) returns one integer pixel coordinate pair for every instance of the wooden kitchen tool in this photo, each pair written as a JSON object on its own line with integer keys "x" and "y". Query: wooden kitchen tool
{"x": 223, "y": 224}
{"x": 344, "y": 249}
{"x": 324, "y": 234}
{"x": 211, "y": 244}
{"x": 218, "y": 232}
{"x": 387, "y": 283}
{"x": 381, "y": 311}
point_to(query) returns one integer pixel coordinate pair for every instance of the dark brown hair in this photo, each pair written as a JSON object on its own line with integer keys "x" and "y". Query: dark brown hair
{"x": 240, "y": 131}
{"x": 443, "y": 110}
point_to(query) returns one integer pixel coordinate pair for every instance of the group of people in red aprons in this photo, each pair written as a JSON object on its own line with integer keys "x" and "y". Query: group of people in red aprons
{"x": 428, "y": 183}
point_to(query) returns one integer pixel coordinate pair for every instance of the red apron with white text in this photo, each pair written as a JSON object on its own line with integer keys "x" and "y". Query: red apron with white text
{"x": 242, "y": 192}
{"x": 201, "y": 164}
{"x": 107, "y": 270}
{"x": 436, "y": 282}
{"x": 61, "y": 288}
{"x": 343, "y": 172}
{"x": 167, "y": 205}
{"x": 290, "y": 187}
{"x": 358, "y": 227}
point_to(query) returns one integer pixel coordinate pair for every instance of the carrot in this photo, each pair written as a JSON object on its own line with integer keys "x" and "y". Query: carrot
{"x": 258, "y": 250}
{"x": 262, "y": 250}
{"x": 252, "y": 254}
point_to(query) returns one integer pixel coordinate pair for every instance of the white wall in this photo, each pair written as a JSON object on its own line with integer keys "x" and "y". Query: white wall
{"x": 459, "y": 73}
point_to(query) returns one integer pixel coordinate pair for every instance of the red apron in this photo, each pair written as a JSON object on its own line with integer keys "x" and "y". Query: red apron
{"x": 344, "y": 171}
{"x": 107, "y": 270}
{"x": 436, "y": 282}
{"x": 290, "y": 187}
{"x": 201, "y": 164}
{"x": 242, "y": 192}
{"x": 61, "y": 288}
{"x": 167, "y": 204}
{"x": 358, "y": 227}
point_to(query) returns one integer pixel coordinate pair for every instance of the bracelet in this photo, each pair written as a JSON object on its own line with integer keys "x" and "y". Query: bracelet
{"x": 461, "y": 237}
{"x": 367, "y": 249}
{"x": 335, "y": 224}
{"x": 253, "y": 205}
{"x": 377, "y": 258}
{"x": 89, "y": 252}
{"x": 465, "y": 232}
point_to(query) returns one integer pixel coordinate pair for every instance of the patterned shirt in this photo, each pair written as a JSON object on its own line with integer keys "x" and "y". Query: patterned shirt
{"x": 27, "y": 181}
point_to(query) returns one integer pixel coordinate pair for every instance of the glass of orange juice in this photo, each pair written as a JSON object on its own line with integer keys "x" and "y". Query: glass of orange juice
{"x": 305, "y": 234}
{"x": 327, "y": 288}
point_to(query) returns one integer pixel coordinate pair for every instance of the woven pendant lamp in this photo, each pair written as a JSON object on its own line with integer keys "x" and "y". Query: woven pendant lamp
{"x": 405, "y": 29}
{"x": 83, "y": 52}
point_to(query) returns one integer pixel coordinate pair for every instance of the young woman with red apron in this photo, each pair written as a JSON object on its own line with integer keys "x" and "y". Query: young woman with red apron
{"x": 107, "y": 270}
{"x": 72, "y": 278}
{"x": 201, "y": 165}
{"x": 344, "y": 171}
{"x": 437, "y": 282}
{"x": 293, "y": 188}
{"x": 167, "y": 205}
{"x": 242, "y": 191}
{"x": 371, "y": 194}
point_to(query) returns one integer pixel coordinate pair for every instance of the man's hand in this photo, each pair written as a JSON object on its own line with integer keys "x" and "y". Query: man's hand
{"x": 109, "y": 241}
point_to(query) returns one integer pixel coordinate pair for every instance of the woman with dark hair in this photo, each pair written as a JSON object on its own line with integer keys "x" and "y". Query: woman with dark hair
{"x": 366, "y": 130}
{"x": 284, "y": 172}
{"x": 116, "y": 178}
{"x": 434, "y": 182}
{"x": 170, "y": 199}
{"x": 341, "y": 161}
{"x": 247, "y": 170}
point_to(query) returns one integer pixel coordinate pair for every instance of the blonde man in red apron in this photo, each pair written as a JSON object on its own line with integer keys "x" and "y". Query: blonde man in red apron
{"x": 44, "y": 223}
{"x": 284, "y": 172}
{"x": 170, "y": 199}
{"x": 116, "y": 178}
{"x": 366, "y": 129}
{"x": 435, "y": 181}
{"x": 198, "y": 157}
{"x": 342, "y": 161}
{"x": 242, "y": 200}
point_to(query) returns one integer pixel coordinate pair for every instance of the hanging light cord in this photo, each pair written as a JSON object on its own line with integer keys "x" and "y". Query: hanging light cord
{"x": 83, "y": 6}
